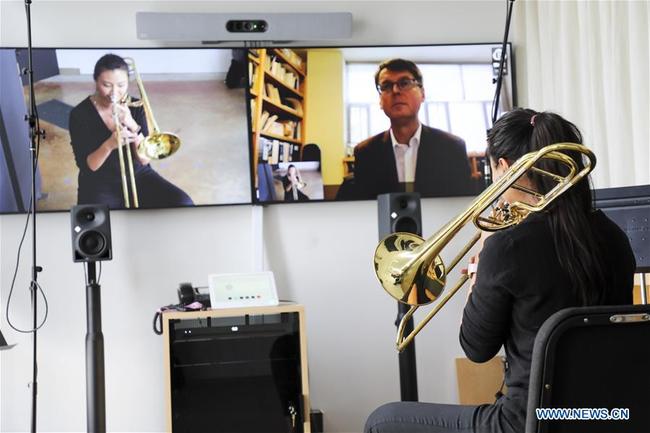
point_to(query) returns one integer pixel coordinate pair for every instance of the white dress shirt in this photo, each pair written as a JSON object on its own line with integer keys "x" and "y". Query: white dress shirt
{"x": 406, "y": 155}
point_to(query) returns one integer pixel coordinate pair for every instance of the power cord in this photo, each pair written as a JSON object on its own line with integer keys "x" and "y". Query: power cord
{"x": 13, "y": 280}
{"x": 499, "y": 393}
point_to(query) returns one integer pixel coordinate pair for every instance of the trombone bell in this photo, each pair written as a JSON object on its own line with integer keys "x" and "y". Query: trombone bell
{"x": 159, "y": 145}
{"x": 419, "y": 284}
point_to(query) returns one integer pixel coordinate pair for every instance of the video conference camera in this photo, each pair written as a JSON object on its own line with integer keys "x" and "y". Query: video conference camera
{"x": 230, "y": 27}
{"x": 246, "y": 26}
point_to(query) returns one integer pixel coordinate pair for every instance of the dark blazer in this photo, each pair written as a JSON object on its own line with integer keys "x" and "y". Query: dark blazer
{"x": 442, "y": 167}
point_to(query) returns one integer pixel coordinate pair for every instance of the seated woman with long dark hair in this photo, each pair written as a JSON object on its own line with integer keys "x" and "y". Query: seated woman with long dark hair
{"x": 566, "y": 256}
{"x": 94, "y": 139}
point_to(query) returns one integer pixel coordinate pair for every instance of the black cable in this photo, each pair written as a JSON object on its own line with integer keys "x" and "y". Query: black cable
{"x": 500, "y": 393}
{"x": 157, "y": 323}
{"x": 487, "y": 174}
{"x": 13, "y": 283}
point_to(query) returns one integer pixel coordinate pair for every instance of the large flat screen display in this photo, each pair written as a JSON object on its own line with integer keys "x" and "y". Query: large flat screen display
{"x": 196, "y": 94}
{"x": 324, "y": 127}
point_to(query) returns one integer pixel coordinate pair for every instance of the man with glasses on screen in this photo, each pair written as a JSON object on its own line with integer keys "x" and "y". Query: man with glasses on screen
{"x": 409, "y": 156}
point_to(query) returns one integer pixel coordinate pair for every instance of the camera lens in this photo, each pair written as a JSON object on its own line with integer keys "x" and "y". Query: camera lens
{"x": 246, "y": 26}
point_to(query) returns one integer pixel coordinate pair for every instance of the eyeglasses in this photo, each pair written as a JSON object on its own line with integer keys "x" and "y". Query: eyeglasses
{"x": 402, "y": 84}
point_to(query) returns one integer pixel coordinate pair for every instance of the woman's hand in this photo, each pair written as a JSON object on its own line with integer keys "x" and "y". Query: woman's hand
{"x": 125, "y": 117}
{"x": 472, "y": 266}
{"x": 136, "y": 142}
{"x": 125, "y": 135}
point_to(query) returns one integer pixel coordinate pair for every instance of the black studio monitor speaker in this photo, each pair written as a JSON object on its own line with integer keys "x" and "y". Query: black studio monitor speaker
{"x": 399, "y": 212}
{"x": 91, "y": 233}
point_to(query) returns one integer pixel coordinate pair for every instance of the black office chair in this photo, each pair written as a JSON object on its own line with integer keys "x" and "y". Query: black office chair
{"x": 3, "y": 343}
{"x": 592, "y": 357}
{"x": 311, "y": 152}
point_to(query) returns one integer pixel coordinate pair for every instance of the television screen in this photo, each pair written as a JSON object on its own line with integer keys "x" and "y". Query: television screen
{"x": 420, "y": 125}
{"x": 192, "y": 99}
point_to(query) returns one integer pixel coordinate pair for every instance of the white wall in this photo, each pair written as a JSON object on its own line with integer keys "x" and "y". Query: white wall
{"x": 152, "y": 62}
{"x": 320, "y": 252}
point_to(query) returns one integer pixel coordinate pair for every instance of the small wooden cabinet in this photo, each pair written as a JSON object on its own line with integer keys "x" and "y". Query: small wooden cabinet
{"x": 237, "y": 370}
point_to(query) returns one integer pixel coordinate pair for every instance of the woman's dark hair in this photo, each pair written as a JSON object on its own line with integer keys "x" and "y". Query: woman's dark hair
{"x": 398, "y": 65}
{"x": 109, "y": 62}
{"x": 523, "y": 130}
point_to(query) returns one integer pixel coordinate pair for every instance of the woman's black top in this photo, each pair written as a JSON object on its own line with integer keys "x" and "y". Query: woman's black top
{"x": 520, "y": 283}
{"x": 87, "y": 132}
{"x": 288, "y": 194}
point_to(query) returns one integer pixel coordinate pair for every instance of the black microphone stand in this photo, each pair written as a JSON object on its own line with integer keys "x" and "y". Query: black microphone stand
{"x": 498, "y": 81}
{"x": 504, "y": 50}
{"x": 34, "y": 135}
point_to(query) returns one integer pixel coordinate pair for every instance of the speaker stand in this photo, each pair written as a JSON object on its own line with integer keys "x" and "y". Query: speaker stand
{"x": 95, "y": 386}
{"x": 408, "y": 377}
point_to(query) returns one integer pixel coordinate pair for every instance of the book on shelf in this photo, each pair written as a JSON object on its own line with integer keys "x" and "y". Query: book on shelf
{"x": 273, "y": 93}
{"x": 269, "y": 122}
{"x": 252, "y": 71}
{"x": 286, "y": 152}
{"x": 275, "y": 128}
{"x": 254, "y": 52}
{"x": 295, "y": 103}
{"x": 253, "y": 116}
{"x": 275, "y": 152}
{"x": 294, "y": 58}
{"x": 263, "y": 118}
{"x": 265, "y": 148}
{"x": 288, "y": 128}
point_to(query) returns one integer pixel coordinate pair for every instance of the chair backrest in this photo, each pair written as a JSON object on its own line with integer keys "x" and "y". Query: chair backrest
{"x": 3, "y": 343}
{"x": 311, "y": 152}
{"x": 592, "y": 357}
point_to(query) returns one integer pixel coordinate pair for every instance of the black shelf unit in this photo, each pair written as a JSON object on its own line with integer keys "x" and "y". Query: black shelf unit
{"x": 239, "y": 373}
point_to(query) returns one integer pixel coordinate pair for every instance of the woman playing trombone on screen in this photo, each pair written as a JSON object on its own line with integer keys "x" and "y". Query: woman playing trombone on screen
{"x": 293, "y": 185}
{"x": 99, "y": 126}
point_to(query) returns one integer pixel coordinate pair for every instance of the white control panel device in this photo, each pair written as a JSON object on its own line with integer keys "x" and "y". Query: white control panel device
{"x": 242, "y": 290}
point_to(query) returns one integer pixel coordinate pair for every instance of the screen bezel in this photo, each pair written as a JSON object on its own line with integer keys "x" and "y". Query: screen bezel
{"x": 511, "y": 64}
{"x": 141, "y": 48}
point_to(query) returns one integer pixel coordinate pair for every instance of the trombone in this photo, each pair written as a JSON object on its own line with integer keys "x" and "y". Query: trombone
{"x": 156, "y": 145}
{"x": 411, "y": 270}
{"x": 129, "y": 159}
